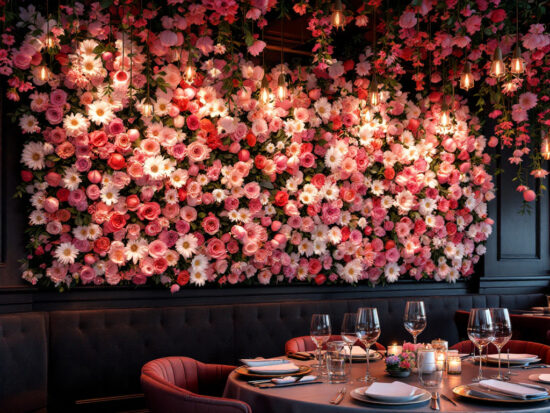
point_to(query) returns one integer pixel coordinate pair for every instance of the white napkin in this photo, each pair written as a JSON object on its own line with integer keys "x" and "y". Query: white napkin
{"x": 513, "y": 357}
{"x": 275, "y": 369}
{"x": 358, "y": 351}
{"x": 284, "y": 380}
{"x": 308, "y": 378}
{"x": 260, "y": 361}
{"x": 395, "y": 390}
{"x": 514, "y": 390}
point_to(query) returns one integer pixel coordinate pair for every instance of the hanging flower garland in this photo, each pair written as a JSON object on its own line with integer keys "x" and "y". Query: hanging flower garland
{"x": 138, "y": 174}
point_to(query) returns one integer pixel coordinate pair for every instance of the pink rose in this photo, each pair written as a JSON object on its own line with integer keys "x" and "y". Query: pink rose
{"x": 58, "y": 97}
{"x": 157, "y": 249}
{"x": 216, "y": 248}
{"x": 54, "y": 115}
{"x": 51, "y": 204}
{"x": 211, "y": 224}
{"x": 22, "y": 61}
{"x": 407, "y": 20}
{"x": 168, "y": 38}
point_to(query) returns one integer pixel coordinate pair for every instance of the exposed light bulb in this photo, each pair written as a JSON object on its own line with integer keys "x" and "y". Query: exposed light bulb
{"x": 445, "y": 117}
{"x": 281, "y": 87}
{"x": 264, "y": 92}
{"x": 467, "y": 79}
{"x": 545, "y": 148}
{"x": 337, "y": 18}
{"x": 374, "y": 95}
{"x": 498, "y": 69}
{"x": 147, "y": 108}
{"x": 49, "y": 42}
{"x": 517, "y": 64}
{"x": 189, "y": 72}
{"x": 43, "y": 73}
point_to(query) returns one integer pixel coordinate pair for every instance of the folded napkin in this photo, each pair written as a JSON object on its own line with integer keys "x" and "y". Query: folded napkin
{"x": 395, "y": 390}
{"x": 260, "y": 361}
{"x": 275, "y": 368}
{"x": 513, "y": 390}
{"x": 358, "y": 351}
{"x": 292, "y": 379}
{"x": 513, "y": 357}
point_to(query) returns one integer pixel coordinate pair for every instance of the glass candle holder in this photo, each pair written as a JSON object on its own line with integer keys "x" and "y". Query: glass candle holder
{"x": 440, "y": 344}
{"x": 454, "y": 363}
{"x": 394, "y": 350}
{"x": 440, "y": 359}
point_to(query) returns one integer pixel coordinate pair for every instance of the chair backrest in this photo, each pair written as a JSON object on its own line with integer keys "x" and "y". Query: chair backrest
{"x": 305, "y": 343}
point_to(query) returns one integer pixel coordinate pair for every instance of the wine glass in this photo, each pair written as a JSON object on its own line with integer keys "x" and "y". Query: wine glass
{"x": 481, "y": 332}
{"x": 348, "y": 335}
{"x": 319, "y": 332}
{"x": 367, "y": 329}
{"x": 415, "y": 318}
{"x": 502, "y": 334}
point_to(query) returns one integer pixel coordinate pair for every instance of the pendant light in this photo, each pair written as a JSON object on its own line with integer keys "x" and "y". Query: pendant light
{"x": 374, "y": 94}
{"x": 545, "y": 147}
{"x": 444, "y": 116}
{"x": 517, "y": 64}
{"x": 281, "y": 81}
{"x": 467, "y": 79}
{"x": 498, "y": 69}
{"x": 337, "y": 18}
{"x": 147, "y": 108}
{"x": 43, "y": 73}
{"x": 264, "y": 91}
{"x": 190, "y": 70}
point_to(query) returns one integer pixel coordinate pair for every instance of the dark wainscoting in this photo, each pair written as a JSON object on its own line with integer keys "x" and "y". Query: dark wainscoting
{"x": 517, "y": 260}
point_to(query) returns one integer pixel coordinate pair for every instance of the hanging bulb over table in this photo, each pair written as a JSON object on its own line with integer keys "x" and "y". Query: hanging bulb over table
{"x": 467, "y": 79}
{"x": 189, "y": 71}
{"x": 517, "y": 64}
{"x": 498, "y": 69}
{"x": 374, "y": 95}
{"x": 337, "y": 18}
{"x": 147, "y": 108}
{"x": 43, "y": 73}
{"x": 281, "y": 87}
{"x": 445, "y": 116}
{"x": 264, "y": 91}
{"x": 545, "y": 147}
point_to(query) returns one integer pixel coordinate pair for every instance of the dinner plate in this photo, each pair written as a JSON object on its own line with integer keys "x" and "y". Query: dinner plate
{"x": 541, "y": 378}
{"x": 359, "y": 395}
{"x": 463, "y": 391}
{"x": 372, "y": 357}
{"x": 514, "y": 358}
{"x": 504, "y": 361}
{"x": 402, "y": 392}
{"x": 243, "y": 371}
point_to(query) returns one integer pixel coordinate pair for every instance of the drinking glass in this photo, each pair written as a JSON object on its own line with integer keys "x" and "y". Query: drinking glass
{"x": 502, "y": 334}
{"x": 319, "y": 332}
{"x": 367, "y": 329}
{"x": 430, "y": 372}
{"x": 415, "y": 318}
{"x": 348, "y": 335}
{"x": 481, "y": 332}
{"x": 336, "y": 362}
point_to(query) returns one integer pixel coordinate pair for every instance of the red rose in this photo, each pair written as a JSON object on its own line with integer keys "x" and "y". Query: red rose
{"x": 101, "y": 245}
{"x": 117, "y": 221}
{"x": 149, "y": 211}
{"x": 63, "y": 194}
{"x": 26, "y": 176}
{"x": 389, "y": 173}
{"x": 497, "y": 15}
{"x": 413, "y": 125}
{"x": 193, "y": 122}
{"x": 348, "y": 65}
{"x": 451, "y": 228}
{"x": 160, "y": 265}
{"x": 389, "y": 245}
{"x": 260, "y": 161}
{"x": 132, "y": 202}
{"x": 281, "y": 198}
{"x": 183, "y": 277}
{"x": 182, "y": 194}
{"x": 116, "y": 161}
{"x": 345, "y": 234}
{"x": 251, "y": 139}
{"x": 98, "y": 138}
{"x": 314, "y": 266}
{"x": 206, "y": 125}
{"x": 320, "y": 279}
{"x": 318, "y": 180}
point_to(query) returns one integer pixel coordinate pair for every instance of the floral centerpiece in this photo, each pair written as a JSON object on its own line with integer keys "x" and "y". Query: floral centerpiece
{"x": 400, "y": 365}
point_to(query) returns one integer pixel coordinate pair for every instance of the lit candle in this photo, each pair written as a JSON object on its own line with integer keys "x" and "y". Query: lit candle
{"x": 440, "y": 344}
{"x": 395, "y": 350}
{"x": 454, "y": 364}
{"x": 440, "y": 360}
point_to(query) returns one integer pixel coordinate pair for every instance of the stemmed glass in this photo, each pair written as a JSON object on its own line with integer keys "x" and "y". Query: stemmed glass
{"x": 415, "y": 318}
{"x": 319, "y": 332}
{"x": 348, "y": 335}
{"x": 502, "y": 334}
{"x": 367, "y": 329}
{"x": 481, "y": 332}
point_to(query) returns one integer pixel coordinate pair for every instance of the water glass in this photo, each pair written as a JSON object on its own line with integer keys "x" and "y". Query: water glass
{"x": 320, "y": 333}
{"x": 414, "y": 318}
{"x": 336, "y": 362}
{"x": 348, "y": 335}
{"x": 430, "y": 372}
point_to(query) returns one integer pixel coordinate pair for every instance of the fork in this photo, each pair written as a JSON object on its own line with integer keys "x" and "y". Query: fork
{"x": 339, "y": 397}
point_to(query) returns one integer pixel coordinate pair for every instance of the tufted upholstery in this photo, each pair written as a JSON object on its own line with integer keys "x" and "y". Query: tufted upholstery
{"x": 181, "y": 384}
{"x": 524, "y": 327}
{"x": 515, "y": 346}
{"x": 23, "y": 362}
{"x": 305, "y": 343}
{"x": 99, "y": 353}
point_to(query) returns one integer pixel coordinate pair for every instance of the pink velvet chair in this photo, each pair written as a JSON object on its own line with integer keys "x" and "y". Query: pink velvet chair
{"x": 305, "y": 343}
{"x": 184, "y": 385}
{"x": 515, "y": 346}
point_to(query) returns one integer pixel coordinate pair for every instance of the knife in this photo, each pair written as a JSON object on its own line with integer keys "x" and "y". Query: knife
{"x": 339, "y": 397}
{"x": 296, "y": 383}
{"x": 449, "y": 400}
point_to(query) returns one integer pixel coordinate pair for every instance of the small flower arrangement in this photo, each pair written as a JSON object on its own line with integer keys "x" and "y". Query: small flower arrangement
{"x": 402, "y": 362}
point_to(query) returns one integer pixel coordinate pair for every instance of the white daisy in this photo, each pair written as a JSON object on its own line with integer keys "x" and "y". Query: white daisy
{"x": 187, "y": 245}
{"x": 94, "y": 232}
{"x": 352, "y": 271}
{"x": 154, "y": 167}
{"x": 197, "y": 277}
{"x": 33, "y": 156}
{"x": 334, "y": 235}
{"x": 109, "y": 194}
{"x": 178, "y": 178}
{"x": 71, "y": 179}
{"x": 330, "y": 192}
{"x": 100, "y": 112}
{"x": 161, "y": 107}
{"x": 81, "y": 233}
{"x": 171, "y": 196}
{"x": 87, "y": 47}
{"x": 66, "y": 253}
{"x": 91, "y": 66}
{"x": 391, "y": 272}
{"x": 333, "y": 158}
{"x": 37, "y": 217}
{"x": 37, "y": 199}
{"x": 171, "y": 257}
{"x": 219, "y": 195}
{"x": 29, "y": 124}
{"x": 199, "y": 263}
{"x": 135, "y": 250}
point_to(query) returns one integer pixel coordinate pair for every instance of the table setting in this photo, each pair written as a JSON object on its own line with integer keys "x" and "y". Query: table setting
{"x": 420, "y": 377}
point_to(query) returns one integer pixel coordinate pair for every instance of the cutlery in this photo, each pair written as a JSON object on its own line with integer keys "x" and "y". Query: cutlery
{"x": 339, "y": 397}
{"x": 535, "y": 366}
{"x": 256, "y": 382}
{"x": 434, "y": 404}
{"x": 449, "y": 400}
{"x": 299, "y": 356}
{"x": 296, "y": 383}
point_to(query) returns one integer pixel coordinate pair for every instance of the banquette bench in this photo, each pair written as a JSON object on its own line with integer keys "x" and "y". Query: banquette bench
{"x": 71, "y": 361}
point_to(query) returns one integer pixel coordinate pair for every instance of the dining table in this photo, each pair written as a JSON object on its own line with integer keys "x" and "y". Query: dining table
{"x": 315, "y": 398}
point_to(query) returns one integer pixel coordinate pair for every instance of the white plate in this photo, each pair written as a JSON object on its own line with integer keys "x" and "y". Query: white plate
{"x": 504, "y": 361}
{"x": 276, "y": 369}
{"x": 395, "y": 392}
{"x": 359, "y": 394}
{"x": 542, "y": 378}
{"x": 514, "y": 358}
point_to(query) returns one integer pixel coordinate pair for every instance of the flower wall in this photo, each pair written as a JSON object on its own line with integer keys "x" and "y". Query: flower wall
{"x": 139, "y": 170}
